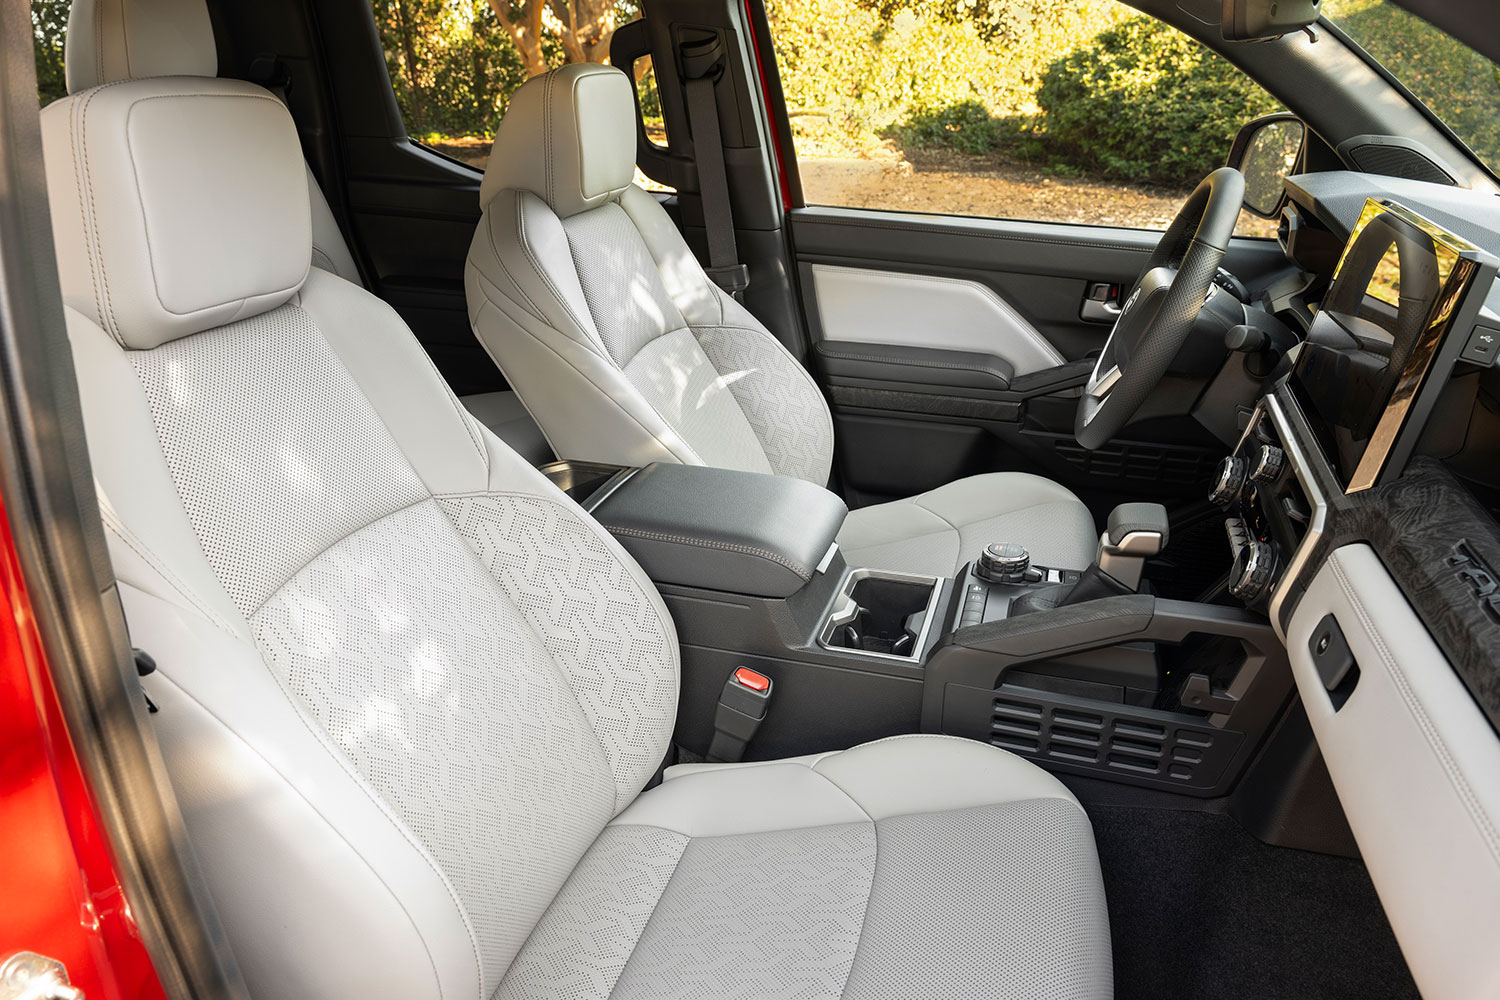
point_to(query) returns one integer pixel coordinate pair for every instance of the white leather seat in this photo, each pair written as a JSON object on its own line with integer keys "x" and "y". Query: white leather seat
{"x": 624, "y": 351}
{"x": 410, "y": 693}
{"x": 112, "y": 40}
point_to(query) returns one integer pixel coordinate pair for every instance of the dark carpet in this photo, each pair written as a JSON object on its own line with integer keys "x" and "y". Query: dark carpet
{"x": 1201, "y": 909}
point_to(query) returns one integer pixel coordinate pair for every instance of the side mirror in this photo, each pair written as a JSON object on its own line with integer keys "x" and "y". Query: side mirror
{"x": 1243, "y": 20}
{"x": 1267, "y": 151}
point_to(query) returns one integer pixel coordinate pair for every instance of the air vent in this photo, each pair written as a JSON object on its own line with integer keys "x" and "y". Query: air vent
{"x": 1146, "y": 463}
{"x": 1394, "y": 156}
{"x": 1072, "y": 737}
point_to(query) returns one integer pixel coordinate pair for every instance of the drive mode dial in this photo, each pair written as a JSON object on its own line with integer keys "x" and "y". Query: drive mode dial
{"x": 1228, "y": 481}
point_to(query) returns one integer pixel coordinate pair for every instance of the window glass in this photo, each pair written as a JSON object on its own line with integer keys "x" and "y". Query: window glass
{"x": 1055, "y": 110}
{"x": 1461, "y": 86}
{"x": 49, "y": 23}
{"x": 454, "y": 64}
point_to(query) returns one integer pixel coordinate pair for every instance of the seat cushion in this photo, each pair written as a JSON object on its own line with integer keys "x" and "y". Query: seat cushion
{"x": 917, "y": 866}
{"x": 940, "y": 530}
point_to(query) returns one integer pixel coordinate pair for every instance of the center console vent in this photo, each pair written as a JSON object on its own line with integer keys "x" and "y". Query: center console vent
{"x": 1159, "y": 747}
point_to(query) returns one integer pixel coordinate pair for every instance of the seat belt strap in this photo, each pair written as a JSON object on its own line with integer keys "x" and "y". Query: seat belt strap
{"x": 703, "y": 64}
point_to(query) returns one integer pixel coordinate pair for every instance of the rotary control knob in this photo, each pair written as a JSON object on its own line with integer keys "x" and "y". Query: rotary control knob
{"x": 1269, "y": 462}
{"x": 1228, "y": 481}
{"x": 1254, "y": 566}
{"x": 1003, "y": 562}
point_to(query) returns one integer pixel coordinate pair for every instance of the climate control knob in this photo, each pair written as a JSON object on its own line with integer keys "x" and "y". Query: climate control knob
{"x": 1228, "y": 481}
{"x": 1254, "y": 566}
{"x": 1269, "y": 462}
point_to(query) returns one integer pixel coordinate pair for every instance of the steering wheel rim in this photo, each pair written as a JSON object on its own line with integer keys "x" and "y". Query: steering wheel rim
{"x": 1161, "y": 308}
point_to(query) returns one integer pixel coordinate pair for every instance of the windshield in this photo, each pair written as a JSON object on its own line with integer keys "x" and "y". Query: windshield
{"x": 1461, "y": 86}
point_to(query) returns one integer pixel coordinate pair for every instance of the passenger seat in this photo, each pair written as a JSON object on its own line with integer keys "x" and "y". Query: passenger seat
{"x": 410, "y": 694}
{"x": 113, "y": 40}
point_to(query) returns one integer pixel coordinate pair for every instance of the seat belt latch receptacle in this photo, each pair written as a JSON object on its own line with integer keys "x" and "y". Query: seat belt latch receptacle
{"x": 742, "y": 708}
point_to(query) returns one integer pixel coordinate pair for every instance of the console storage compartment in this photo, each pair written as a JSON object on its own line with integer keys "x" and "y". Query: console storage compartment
{"x": 718, "y": 529}
{"x": 587, "y": 483}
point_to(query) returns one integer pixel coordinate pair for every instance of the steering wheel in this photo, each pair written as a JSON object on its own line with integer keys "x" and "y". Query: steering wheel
{"x": 1160, "y": 311}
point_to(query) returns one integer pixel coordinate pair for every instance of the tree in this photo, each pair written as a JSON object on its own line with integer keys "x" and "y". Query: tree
{"x": 584, "y": 27}
{"x": 1004, "y": 21}
{"x": 49, "y": 23}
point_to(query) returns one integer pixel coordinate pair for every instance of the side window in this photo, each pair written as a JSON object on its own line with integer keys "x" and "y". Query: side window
{"x": 1082, "y": 111}
{"x": 454, "y": 64}
{"x": 49, "y": 23}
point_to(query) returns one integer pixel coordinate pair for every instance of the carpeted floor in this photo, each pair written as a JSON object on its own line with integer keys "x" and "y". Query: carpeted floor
{"x": 1200, "y": 909}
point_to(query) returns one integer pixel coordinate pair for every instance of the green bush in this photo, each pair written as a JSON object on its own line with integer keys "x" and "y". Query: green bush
{"x": 1144, "y": 102}
{"x": 967, "y": 127}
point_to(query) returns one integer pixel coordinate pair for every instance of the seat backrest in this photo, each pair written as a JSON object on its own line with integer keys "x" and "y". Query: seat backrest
{"x": 113, "y": 40}
{"x": 403, "y": 681}
{"x": 587, "y": 297}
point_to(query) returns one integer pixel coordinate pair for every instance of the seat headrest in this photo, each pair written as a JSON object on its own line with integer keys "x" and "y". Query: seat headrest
{"x": 178, "y": 204}
{"x": 111, "y": 40}
{"x": 568, "y": 137}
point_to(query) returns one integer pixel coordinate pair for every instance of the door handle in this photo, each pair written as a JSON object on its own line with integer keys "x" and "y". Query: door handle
{"x": 1101, "y": 302}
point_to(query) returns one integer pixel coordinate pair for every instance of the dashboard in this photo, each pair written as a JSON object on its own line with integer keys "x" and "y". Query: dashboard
{"x": 1360, "y": 503}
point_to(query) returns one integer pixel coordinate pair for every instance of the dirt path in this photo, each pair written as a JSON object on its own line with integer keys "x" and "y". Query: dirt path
{"x": 980, "y": 185}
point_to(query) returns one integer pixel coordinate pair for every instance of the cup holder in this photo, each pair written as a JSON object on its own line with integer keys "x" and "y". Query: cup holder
{"x": 881, "y": 613}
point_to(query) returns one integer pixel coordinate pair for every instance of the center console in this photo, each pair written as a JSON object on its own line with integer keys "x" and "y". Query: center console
{"x": 1076, "y": 669}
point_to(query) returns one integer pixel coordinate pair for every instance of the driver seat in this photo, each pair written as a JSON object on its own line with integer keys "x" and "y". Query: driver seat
{"x": 624, "y": 351}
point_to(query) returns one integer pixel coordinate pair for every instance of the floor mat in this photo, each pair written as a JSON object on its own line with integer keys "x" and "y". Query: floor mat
{"x": 1201, "y": 909}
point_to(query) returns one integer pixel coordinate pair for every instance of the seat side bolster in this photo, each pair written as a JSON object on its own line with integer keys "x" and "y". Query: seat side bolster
{"x": 273, "y": 808}
{"x": 780, "y": 399}
{"x": 330, "y": 252}
{"x": 583, "y": 402}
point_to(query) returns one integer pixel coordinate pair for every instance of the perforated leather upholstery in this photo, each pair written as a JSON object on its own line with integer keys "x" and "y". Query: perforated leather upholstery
{"x": 410, "y": 693}
{"x": 584, "y": 293}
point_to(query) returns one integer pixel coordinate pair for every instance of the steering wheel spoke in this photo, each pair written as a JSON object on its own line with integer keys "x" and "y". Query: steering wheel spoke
{"x": 1159, "y": 315}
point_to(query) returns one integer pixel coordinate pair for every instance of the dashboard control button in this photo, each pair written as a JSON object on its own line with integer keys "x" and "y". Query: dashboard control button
{"x": 1254, "y": 566}
{"x": 1269, "y": 462}
{"x": 1228, "y": 481}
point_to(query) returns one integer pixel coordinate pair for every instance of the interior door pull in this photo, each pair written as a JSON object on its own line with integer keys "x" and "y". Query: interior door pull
{"x": 1101, "y": 303}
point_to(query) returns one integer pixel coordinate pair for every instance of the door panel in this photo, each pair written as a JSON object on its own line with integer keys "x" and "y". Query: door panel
{"x": 862, "y": 305}
{"x": 1037, "y": 278}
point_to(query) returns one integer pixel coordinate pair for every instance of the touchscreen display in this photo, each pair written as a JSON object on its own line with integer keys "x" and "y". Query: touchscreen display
{"x": 1393, "y": 299}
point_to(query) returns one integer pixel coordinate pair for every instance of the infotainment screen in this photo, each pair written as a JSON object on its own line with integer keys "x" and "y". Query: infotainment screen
{"x": 1380, "y": 342}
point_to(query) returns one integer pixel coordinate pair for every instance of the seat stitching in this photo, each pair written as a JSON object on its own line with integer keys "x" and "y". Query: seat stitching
{"x": 75, "y": 141}
{"x": 536, "y": 266}
{"x": 260, "y": 606}
{"x": 333, "y": 828}
{"x": 1434, "y": 738}
{"x": 709, "y": 543}
{"x": 489, "y": 234}
{"x": 111, "y": 521}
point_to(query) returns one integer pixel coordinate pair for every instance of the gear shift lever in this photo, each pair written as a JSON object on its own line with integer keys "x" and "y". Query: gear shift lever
{"x": 1134, "y": 532}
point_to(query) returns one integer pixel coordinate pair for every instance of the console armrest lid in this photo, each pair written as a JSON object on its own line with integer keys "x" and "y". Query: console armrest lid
{"x": 740, "y": 532}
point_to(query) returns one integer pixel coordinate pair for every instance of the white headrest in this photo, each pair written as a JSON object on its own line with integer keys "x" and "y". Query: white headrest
{"x": 110, "y": 40}
{"x": 178, "y": 204}
{"x": 568, "y": 137}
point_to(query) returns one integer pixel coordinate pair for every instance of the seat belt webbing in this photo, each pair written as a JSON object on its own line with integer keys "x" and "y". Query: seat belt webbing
{"x": 703, "y": 64}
